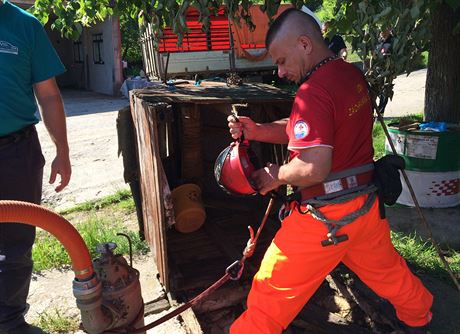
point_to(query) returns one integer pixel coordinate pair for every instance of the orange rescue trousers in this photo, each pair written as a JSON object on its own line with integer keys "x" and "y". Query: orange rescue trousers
{"x": 296, "y": 264}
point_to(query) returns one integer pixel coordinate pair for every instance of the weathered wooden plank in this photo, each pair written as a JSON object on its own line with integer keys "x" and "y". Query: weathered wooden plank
{"x": 219, "y": 203}
{"x": 214, "y": 93}
{"x": 151, "y": 179}
{"x": 192, "y": 162}
{"x": 156, "y": 306}
{"x": 191, "y": 322}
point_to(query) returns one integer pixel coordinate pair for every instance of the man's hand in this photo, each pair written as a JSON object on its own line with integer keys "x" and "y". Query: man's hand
{"x": 61, "y": 166}
{"x": 266, "y": 179}
{"x": 52, "y": 110}
{"x": 244, "y": 125}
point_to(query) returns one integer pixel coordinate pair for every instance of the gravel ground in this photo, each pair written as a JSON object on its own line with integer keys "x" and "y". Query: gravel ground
{"x": 97, "y": 171}
{"x": 409, "y": 95}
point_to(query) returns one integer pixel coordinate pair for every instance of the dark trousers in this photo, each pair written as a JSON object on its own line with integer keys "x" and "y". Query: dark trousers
{"x": 21, "y": 176}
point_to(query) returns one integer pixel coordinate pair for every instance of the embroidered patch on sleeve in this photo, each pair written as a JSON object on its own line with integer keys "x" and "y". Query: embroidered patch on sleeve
{"x": 301, "y": 129}
{"x": 6, "y": 47}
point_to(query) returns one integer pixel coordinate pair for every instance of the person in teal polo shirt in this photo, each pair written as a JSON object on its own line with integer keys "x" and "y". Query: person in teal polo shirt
{"x": 28, "y": 65}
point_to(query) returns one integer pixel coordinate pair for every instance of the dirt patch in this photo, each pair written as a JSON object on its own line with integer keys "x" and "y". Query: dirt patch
{"x": 97, "y": 170}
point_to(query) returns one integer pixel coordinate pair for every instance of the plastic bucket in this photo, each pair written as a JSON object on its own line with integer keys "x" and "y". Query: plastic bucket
{"x": 432, "y": 166}
{"x": 188, "y": 208}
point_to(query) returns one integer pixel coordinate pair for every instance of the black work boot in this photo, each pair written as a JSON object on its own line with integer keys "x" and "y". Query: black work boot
{"x": 25, "y": 329}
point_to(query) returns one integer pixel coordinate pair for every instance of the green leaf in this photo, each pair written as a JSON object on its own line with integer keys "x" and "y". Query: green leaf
{"x": 415, "y": 12}
{"x": 457, "y": 28}
{"x": 362, "y": 6}
{"x": 386, "y": 11}
{"x": 455, "y": 4}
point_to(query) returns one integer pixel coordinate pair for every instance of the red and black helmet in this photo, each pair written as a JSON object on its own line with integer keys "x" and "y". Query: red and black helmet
{"x": 233, "y": 168}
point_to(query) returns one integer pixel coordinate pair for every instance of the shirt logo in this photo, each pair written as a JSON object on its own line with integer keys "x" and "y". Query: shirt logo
{"x": 6, "y": 47}
{"x": 301, "y": 129}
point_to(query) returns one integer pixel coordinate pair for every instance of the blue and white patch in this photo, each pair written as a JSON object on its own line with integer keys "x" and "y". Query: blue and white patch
{"x": 301, "y": 129}
{"x": 6, "y": 47}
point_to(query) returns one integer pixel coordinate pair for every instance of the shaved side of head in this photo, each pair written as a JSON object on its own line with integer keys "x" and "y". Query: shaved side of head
{"x": 291, "y": 24}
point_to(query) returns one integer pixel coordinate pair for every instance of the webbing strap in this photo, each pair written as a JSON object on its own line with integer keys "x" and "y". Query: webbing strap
{"x": 355, "y": 172}
{"x": 350, "y": 171}
{"x": 334, "y": 225}
{"x": 340, "y": 199}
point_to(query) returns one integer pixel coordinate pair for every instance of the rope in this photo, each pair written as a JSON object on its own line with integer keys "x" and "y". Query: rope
{"x": 317, "y": 214}
{"x": 233, "y": 272}
{"x": 379, "y": 113}
{"x": 245, "y": 54}
{"x": 341, "y": 199}
{"x": 334, "y": 225}
{"x": 252, "y": 57}
{"x": 181, "y": 308}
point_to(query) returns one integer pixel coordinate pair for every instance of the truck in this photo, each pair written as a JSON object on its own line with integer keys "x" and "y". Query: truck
{"x": 226, "y": 46}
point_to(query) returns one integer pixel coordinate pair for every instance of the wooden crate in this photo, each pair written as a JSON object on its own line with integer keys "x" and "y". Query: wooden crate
{"x": 179, "y": 132}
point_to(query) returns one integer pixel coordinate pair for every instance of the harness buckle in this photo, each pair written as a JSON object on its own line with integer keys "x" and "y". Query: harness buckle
{"x": 235, "y": 270}
{"x": 334, "y": 240}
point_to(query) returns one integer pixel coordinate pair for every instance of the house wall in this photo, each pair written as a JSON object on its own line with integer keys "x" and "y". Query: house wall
{"x": 105, "y": 77}
{"x": 74, "y": 77}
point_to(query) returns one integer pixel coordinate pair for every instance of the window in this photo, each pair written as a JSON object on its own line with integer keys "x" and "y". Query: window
{"x": 77, "y": 52}
{"x": 97, "y": 49}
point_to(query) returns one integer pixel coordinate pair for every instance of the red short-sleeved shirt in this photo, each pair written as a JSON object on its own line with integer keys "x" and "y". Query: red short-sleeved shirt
{"x": 332, "y": 108}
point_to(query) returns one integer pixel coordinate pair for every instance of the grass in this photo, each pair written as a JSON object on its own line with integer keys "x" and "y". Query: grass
{"x": 49, "y": 253}
{"x": 352, "y": 56}
{"x": 378, "y": 135}
{"x": 423, "y": 256}
{"x": 122, "y": 199}
{"x": 420, "y": 254}
{"x": 53, "y": 322}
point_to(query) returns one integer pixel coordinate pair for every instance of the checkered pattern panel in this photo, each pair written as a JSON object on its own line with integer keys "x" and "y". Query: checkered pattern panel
{"x": 444, "y": 187}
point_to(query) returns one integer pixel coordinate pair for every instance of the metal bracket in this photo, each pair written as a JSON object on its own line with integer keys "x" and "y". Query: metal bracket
{"x": 235, "y": 270}
{"x": 334, "y": 240}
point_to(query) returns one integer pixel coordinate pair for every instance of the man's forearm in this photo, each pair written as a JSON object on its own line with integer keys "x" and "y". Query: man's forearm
{"x": 274, "y": 133}
{"x": 311, "y": 166}
{"x": 53, "y": 115}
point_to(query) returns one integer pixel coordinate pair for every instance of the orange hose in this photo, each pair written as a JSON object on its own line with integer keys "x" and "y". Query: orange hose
{"x": 35, "y": 215}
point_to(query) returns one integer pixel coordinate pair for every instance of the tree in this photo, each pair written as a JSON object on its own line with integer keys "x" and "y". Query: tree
{"x": 414, "y": 23}
{"x": 417, "y": 26}
{"x": 442, "y": 98}
{"x": 130, "y": 43}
